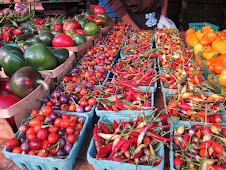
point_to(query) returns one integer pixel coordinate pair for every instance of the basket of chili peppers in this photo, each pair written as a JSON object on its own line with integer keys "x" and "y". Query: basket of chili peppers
{"x": 166, "y": 35}
{"x": 50, "y": 144}
{"x": 136, "y": 71}
{"x": 190, "y": 76}
{"x": 197, "y": 146}
{"x": 194, "y": 106}
{"x": 74, "y": 98}
{"x": 128, "y": 142}
{"x": 114, "y": 99}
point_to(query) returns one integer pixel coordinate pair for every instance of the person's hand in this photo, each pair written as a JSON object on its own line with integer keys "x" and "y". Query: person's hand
{"x": 166, "y": 22}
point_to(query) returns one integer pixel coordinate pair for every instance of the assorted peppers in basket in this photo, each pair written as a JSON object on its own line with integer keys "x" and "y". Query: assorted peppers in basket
{"x": 134, "y": 142}
{"x": 199, "y": 147}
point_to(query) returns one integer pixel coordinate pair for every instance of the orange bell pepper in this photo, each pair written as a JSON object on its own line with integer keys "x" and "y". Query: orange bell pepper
{"x": 208, "y": 38}
{"x": 190, "y": 31}
{"x": 206, "y": 28}
{"x": 191, "y": 40}
{"x": 208, "y": 53}
{"x": 219, "y": 46}
{"x": 199, "y": 34}
{"x": 222, "y": 78}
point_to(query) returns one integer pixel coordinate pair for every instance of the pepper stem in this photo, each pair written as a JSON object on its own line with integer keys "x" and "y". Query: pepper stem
{"x": 43, "y": 83}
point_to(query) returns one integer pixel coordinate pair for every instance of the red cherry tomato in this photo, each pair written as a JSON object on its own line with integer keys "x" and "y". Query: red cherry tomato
{"x": 12, "y": 143}
{"x": 52, "y": 138}
{"x": 71, "y": 138}
{"x": 16, "y": 150}
{"x": 53, "y": 129}
{"x": 84, "y": 103}
{"x": 64, "y": 123}
{"x": 47, "y": 110}
{"x": 42, "y": 134}
{"x": 92, "y": 101}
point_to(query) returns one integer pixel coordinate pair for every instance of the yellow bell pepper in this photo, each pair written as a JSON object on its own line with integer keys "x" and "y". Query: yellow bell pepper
{"x": 199, "y": 34}
{"x": 191, "y": 40}
{"x": 219, "y": 46}
{"x": 208, "y": 53}
{"x": 197, "y": 48}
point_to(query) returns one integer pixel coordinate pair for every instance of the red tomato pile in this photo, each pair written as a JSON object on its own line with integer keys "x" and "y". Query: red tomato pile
{"x": 48, "y": 133}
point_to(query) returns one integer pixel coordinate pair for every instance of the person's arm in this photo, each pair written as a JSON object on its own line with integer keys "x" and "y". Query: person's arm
{"x": 120, "y": 9}
{"x": 164, "y": 8}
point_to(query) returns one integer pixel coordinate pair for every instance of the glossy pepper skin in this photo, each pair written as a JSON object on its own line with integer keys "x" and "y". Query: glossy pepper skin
{"x": 61, "y": 55}
{"x": 24, "y": 81}
{"x": 6, "y": 49}
{"x": 12, "y": 62}
{"x": 40, "y": 57}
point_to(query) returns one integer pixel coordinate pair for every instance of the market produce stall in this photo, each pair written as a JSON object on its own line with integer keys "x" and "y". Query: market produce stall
{"x": 115, "y": 98}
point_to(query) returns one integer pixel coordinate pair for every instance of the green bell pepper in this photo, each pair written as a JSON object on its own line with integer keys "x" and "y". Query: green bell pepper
{"x": 61, "y": 55}
{"x": 46, "y": 38}
{"x": 40, "y": 57}
{"x": 12, "y": 62}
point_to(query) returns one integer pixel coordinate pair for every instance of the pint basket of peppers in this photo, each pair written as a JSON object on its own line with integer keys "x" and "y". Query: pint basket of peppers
{"x": 124, "y": 100}
{"x": 128, "y": 142}
{"x": 197, "y": 146}
{"x": 193, "y": 106}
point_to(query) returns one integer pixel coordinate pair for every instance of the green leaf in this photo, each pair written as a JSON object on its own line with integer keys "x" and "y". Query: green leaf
{"x": 174, "y": 118}
{"x": 207, "y": 84}
{"x": 113, "y": 99}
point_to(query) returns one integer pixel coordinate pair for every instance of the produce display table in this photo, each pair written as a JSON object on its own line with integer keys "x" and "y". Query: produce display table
{"x": 81, "y": 160}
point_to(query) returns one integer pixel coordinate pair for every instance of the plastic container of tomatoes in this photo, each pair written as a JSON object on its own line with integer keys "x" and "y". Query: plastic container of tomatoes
{"x": 113, "y": 165}
{"x": 127, "y": 112}
{"x": 25, "y": 161}
{"x": 165, "y": 100}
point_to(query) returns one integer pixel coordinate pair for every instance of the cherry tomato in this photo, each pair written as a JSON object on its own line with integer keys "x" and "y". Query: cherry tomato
{"x": 49, "y": 103}
{"x": 52, "y": 138}
{"x": 57, "y": 122}
{"x": 30, "y": 130}
{"x": 92, "y": 101}
{"x": 34, "y": 122}
{"x": 64, "y": 107}
{"x": 53, "y": 129}
{"x": 64, "y": 123}
{"x": 80, "y": 126}
{"x": 31, "y": 136}
{"x": 66, "y": 79}
{"x": 35, "y": 144}
{"x": 47, "y": 110}
{"x": 64, "y": 116}
{"x": 77, "y": 131}
{"x": 12, "y": 143}
{"x": 73, "y": 123}
{"x": 53, "y": 151}
{"x": 34, "y": 112}
{"x": 41, "y": 117}
{"x": 16, "y": 150}
{"x": 70, "y": 130}
{"x": 71, "y": 138}
{"x": 42, "y": 134}
{"x": 83, "y": 103}
{"x": 42, "y": 153}
{"x": 83, "y": 92}
{"x": 72, "y": 108}
{"x": 37, "y": 128}
{"x": 31, "y": 152}
{"x": 45, "y": 144}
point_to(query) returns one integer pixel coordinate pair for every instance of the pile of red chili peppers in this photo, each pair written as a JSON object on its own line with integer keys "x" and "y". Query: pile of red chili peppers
{"x": 132, "y": 142}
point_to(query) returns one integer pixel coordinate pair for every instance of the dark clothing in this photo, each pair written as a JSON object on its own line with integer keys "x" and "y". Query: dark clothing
{"x": 122, "y": 7}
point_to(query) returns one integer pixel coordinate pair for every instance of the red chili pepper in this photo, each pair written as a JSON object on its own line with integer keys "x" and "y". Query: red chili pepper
{"x": 119, "y": 159}
{"x": 115, "y": 124}
{"x": 217, "y": 147}
{"x": 103, "y": 151}
{"x": 178, "y": 162}
{"x": 184, "y": 106}
{"x": 154, "y": 135}
{"x": 223, "y": 131}
{"x": 158, "y": 127}
{"x": 217, "y": 118}
{"x": 121, "y": 106}
{"x": 198, "y": 126}
{"x": 100, "y": 107}
{"x": 137, "y": 156}
{"x": 148, "y": 73}
{"x": 186, "y": 140}
{"x": 158, "y": 161}
{"x": 126, "y": 145}
{"x": 163, "y": 117}
{"x": 162, "y": 78}
{"x": 96, "y": 138}
{"x": 117, "y": 147}
{"x": 134, "y": 134}
{"x": 205, "y": 145}
{"x": 217, "y": 167}
{"x": 171, "y": 86}
{"x": 129, "y": 96}
{"x": 104, "y": 128}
